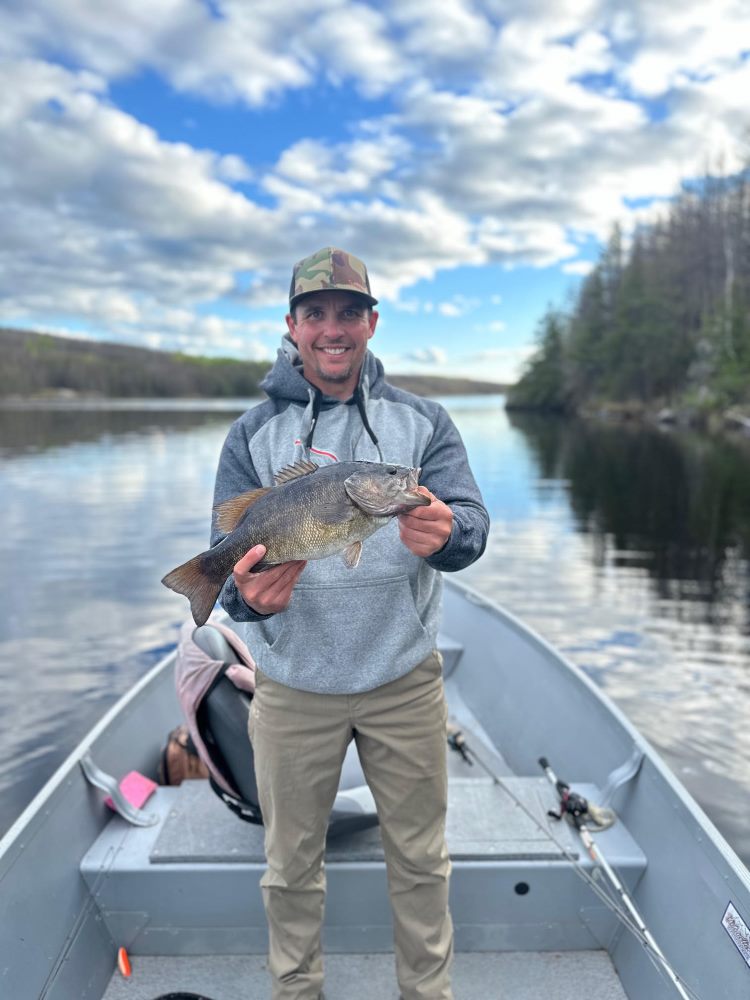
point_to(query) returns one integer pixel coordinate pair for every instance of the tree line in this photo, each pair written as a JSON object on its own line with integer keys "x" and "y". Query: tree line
{"x": 665, "y": 322}
{"x": 35, "y": 364}
{"x": 38, "y": 365}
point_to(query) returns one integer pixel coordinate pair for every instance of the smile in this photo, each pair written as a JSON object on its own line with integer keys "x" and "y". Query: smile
{"x": 333, "y": 350}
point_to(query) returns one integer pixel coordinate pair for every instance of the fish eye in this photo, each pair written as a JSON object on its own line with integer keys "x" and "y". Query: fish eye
{"x": 392, "y": 470}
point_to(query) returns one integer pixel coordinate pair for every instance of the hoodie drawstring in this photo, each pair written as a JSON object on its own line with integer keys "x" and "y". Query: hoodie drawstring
{"x": 363, "y": 414}
{"x": 312, "y": 412}
{"x": 316, "y": 402}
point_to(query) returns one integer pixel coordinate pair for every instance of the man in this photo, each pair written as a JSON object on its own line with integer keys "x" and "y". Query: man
{"x": 348, "y": 654}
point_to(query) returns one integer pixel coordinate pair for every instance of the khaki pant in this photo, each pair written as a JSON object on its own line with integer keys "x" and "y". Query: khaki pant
{"x": 299, "y": 740}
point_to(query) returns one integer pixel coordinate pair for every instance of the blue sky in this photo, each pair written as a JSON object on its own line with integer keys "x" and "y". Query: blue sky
{"x": 163, "y": 164}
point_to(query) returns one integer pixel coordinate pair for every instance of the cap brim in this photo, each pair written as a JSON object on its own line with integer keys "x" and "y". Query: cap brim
{"x": 370, "y": 299}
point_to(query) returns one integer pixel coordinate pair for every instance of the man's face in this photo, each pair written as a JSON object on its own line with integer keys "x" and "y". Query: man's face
{"x": 331, "y": 331}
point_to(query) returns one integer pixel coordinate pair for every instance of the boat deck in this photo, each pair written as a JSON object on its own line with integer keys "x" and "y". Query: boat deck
{"x": 477, "y": 976}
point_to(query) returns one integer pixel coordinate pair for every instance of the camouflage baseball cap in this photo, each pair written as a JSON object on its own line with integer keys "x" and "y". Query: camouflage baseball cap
{"x": 330, "y": 269}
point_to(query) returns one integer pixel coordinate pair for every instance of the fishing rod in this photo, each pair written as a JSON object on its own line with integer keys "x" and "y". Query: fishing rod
{"x": 577, "y": 809}
{"x": 457, "y": 742}
{"x": 604, "y": 817}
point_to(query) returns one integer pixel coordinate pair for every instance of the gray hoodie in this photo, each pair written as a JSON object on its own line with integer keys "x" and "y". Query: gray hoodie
{"x": 351, "y": 630}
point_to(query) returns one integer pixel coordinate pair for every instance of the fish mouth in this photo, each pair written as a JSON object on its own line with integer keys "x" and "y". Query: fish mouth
{"x": 409, "y": 496}
{"x": 412, "y": 487}
{"x": 416, "y": 499}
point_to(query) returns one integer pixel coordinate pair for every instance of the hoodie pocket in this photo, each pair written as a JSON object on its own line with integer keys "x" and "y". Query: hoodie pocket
{"x": 372, "y": 627}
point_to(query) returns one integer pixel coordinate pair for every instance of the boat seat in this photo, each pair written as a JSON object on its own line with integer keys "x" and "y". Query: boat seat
{"x": 511, "y": 887}
{"x": 222, "y": 719}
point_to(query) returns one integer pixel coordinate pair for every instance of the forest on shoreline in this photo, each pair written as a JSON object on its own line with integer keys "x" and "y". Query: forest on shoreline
{"x": 41, "y": 366}
{"x": 661, "y": 327}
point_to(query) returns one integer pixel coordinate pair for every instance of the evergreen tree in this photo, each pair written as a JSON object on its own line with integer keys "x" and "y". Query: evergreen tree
{"x": 667, "y": 319}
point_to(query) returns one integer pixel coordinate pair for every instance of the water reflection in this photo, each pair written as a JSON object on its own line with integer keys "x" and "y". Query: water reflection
{"x": 37, "y": 428}
{"x": 677, "y": 506}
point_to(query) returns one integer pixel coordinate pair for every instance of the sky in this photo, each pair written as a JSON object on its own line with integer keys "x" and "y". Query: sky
{"x": 163, "y": 164}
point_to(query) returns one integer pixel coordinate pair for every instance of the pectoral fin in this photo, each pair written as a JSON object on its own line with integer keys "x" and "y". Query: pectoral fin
{"x": 229, "y": 513}
{"x": 337, "y": 510}
{"x": 351, "y": 554}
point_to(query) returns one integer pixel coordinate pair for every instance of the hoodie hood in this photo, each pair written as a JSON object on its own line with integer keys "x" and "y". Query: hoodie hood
{"x": 285, "y": 380}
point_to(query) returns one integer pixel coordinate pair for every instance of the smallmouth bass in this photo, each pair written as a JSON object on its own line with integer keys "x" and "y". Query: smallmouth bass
{"x": 311, "y": 512}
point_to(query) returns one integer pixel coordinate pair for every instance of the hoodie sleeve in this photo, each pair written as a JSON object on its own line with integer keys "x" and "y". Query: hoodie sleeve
{"x": 235, "y": 474}
{"x": 446, "y": 473}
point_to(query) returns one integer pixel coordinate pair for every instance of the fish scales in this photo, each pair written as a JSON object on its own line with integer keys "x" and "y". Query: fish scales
{"x": 290, "y": 526}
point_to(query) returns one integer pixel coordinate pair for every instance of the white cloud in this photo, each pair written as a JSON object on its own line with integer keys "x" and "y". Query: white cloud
{"x": 248, "y": 52}
{"x": 353, "y": 42}
{"x": 536, "y": 242}
{"x": 680, "y": 44}
{"x": 449, "y": 309}
{"x": 458, "y": 306}
{"x": 407, "y": 305}
{"x": 499, "y": 364}
{"x": 578, "y": 267}
{"x": 310, "y": 166}
{"x": 102, "y": 217}
{"x": 428, "y": 356}
{"x": 453, "y": 32}
{"x": 509, "y": 134}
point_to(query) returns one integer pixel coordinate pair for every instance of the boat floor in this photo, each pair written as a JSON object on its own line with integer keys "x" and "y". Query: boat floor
{"x": 476, "y": 976}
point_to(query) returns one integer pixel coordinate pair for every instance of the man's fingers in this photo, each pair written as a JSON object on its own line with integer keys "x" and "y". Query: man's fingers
{"x": 425, "y": 493}
{"x": 432, "y": 512}
{"x": 416, "y": 531}
{"x": 280, "y": 579}
{"x": 425, "y": 530}
{"x": 270, "y": 591}
{"x": 249, "y": 560}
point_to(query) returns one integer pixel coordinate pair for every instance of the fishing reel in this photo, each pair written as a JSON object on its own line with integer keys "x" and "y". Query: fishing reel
{"x": 578, "y": 808}
{"x": 457, "y": 742}
{"x": 571, "y": 804}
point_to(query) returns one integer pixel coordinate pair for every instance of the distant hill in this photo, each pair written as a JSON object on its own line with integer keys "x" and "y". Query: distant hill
{"x": 42, "y": 365}
{"x": 436, "y": 385}
{"x": 39, "y": 364}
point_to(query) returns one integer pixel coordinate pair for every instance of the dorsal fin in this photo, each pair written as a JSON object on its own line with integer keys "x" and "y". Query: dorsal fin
{"x": 229, "y": 512}
{"x": 290, "y": 472}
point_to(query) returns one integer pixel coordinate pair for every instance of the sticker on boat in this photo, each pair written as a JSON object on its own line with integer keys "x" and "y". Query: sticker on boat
{"x": 738, "y": 931}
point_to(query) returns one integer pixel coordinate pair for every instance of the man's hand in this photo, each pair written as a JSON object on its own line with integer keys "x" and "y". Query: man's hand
{"x": 270, "y": 591}
{"x": 425, "y": 530}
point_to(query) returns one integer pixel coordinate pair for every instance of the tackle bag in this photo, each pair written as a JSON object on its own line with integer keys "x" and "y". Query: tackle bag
{"x": 215, "y": 681}
{"x": 180, "y": 760}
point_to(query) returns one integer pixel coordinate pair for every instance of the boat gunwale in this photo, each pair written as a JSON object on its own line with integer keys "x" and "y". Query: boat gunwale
{"x": 67, "y": 766}
{"x": 714, "y": 836}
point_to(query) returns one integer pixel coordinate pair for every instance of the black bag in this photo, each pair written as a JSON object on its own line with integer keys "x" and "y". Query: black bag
{"x": 222, "y": 740}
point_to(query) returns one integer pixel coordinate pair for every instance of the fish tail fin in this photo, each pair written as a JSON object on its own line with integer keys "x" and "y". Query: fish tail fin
{"x": 200, "y": 580}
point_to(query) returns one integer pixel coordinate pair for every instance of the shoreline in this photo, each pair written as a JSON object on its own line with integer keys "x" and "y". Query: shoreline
{"x": 733, "y": 420}
{"x": 154, "y": 403}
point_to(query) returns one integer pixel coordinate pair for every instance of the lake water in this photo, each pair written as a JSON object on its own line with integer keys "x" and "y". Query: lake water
{"x": 628, "y": 549}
